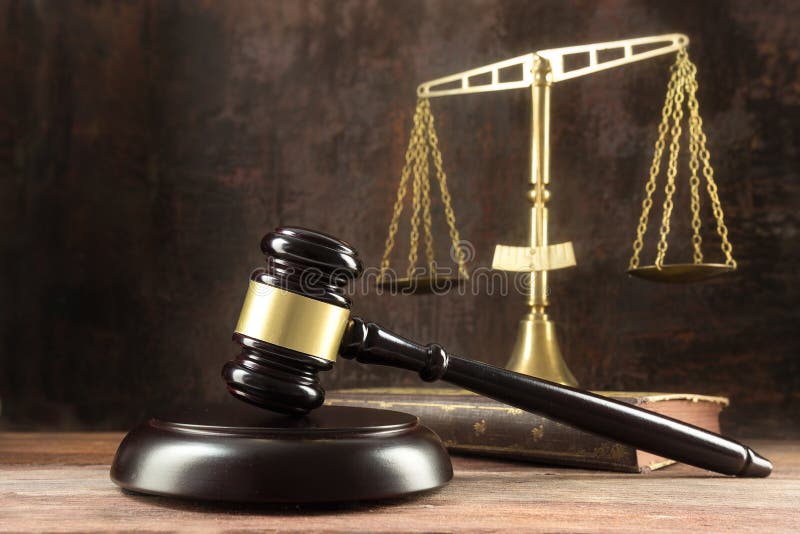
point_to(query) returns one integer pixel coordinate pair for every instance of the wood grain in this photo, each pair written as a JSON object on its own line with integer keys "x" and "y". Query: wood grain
{"x": 58, "y": 482}
{"x": 145, "y": 147}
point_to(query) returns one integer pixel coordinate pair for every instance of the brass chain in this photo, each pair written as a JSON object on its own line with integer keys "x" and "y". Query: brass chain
{"x": 415, "y": 141}
{"x": 458, "y": 251}
{"x": 672, "y": 164}
{"x": 419, "y": 165}
{"x": 694, "y": 163}
{"x": 423, "y": 144}
{"x": 682, "y": 86}
{"x": 426, "y": 209}
{"x": 655, "y": 169}
{"x": 708, "y": 173}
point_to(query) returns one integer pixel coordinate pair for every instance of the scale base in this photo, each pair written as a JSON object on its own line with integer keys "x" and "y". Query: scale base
{"x": 536, "y": 351}
{"x": 239, "y": 453}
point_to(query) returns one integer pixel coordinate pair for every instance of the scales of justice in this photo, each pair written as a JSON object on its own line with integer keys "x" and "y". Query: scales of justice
{"x": 536, "y": 351}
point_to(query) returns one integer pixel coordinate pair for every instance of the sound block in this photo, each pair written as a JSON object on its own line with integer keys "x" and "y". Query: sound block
{"x": 239, "y": 453}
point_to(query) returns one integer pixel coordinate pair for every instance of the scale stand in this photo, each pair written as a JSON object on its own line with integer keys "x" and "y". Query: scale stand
{"x": 536, "y": 351}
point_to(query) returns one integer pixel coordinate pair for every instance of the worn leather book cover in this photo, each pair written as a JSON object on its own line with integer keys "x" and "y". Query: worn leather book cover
{"x": 472, "y": 424}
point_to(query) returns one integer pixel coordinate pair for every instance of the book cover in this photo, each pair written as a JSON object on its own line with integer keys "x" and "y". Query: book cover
{"x": 472, "y": 424}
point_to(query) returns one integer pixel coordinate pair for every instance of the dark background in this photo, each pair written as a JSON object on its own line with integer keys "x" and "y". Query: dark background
{"x": 147, "y": 146}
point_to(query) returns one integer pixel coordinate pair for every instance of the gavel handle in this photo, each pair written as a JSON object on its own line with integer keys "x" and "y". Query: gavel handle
{"x": 371, "y": 344}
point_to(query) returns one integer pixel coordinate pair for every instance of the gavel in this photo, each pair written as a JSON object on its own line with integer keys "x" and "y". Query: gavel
{"x": 295, "y": 320}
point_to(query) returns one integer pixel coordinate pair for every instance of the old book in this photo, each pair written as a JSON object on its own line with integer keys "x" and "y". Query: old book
{"x": 472, "y": 424}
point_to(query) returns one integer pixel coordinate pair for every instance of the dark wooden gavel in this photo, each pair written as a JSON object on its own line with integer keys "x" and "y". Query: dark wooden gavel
{"x": 296, "y": 320}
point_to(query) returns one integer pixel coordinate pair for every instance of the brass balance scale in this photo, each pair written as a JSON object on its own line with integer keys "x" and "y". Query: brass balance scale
{"x": 536, "y": 351}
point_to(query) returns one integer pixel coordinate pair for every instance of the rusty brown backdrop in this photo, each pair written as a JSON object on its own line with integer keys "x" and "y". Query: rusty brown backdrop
{"x": 147, "y": 146}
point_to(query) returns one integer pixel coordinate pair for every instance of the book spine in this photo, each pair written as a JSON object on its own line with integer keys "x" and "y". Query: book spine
{"x": 506, "y": 432}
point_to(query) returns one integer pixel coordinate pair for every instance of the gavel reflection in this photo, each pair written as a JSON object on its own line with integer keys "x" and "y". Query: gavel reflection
{"x": 296, "y": 320}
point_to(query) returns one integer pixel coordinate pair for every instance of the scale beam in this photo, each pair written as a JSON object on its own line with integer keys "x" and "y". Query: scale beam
{"x": 517, "y": 73}
{"x": 615, "y": 54}
{"x": 483, "y": 79}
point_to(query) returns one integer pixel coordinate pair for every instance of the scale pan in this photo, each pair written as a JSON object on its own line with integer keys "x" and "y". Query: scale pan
{"x": 680, "y": 273}
{"x": 421, "y": 285}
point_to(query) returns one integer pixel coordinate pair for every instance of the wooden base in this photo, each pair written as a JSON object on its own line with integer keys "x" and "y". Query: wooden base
{"x": 239, "y": 453}
{"x": 513, "y": 434}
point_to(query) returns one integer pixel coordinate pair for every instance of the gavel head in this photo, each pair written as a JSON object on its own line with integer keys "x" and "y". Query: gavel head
{"x": 292, "y": 321}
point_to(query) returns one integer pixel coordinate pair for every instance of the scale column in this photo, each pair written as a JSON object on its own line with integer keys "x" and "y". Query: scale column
{"x": 536, "y": 351}
{"x": 538, "y": 194}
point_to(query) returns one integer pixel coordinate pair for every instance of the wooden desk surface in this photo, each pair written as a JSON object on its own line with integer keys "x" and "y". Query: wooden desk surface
{"x": 59, "y": 482}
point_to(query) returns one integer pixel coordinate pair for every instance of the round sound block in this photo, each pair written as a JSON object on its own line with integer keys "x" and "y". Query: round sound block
{"x": 240, "y": 453}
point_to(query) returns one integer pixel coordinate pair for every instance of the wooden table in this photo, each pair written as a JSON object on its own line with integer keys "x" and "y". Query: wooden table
{"x": 59, "y": 482}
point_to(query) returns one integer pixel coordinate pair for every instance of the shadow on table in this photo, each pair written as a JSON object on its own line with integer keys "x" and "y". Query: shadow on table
{"x": 305, "y": 509}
